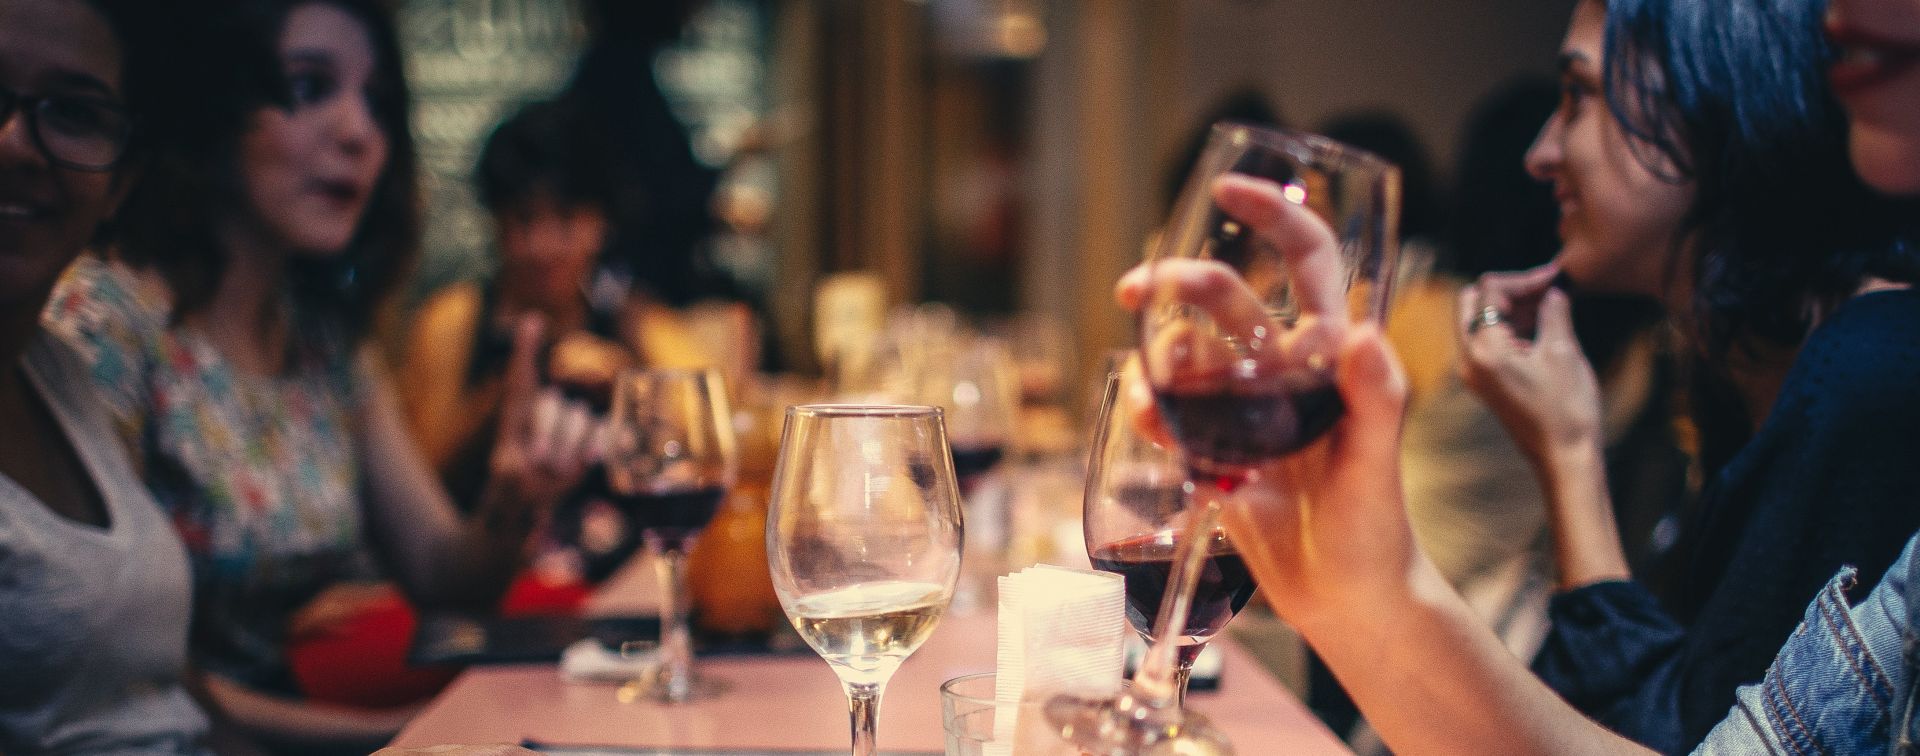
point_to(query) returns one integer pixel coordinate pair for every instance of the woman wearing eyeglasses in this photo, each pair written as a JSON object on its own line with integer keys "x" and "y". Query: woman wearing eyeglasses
{"x": 94, "y": 588}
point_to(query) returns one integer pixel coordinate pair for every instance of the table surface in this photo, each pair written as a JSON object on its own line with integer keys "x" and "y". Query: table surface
{"x": 795, "y": 702}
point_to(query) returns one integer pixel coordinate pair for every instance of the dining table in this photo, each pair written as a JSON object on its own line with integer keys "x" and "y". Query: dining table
{"x": 792, "y": 703}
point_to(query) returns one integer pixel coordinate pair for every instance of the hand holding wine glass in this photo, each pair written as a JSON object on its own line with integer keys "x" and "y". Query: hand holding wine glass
{"x": 1279, "y": 242}
{"x": 1324, "y": 526}
{"x": 863, "y": 539}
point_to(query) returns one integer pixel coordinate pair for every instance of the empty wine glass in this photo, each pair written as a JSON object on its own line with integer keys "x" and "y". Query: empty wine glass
{"x": 1135, "y": 513}
{"x": 1238, "y": 386}
{"x": 670, "y": 460}
{"x": 863, "y": 539}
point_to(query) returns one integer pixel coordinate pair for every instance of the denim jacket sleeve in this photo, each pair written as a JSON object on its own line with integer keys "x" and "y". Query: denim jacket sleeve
{"x": 1842, "y": 683}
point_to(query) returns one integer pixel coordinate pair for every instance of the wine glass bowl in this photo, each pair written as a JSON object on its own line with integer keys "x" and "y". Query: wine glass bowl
{"x": 670, "y": 459}
{"x": 1242, "y": 317}
{"x": 1136, "y": 513}
{"x": 863, "y": 540}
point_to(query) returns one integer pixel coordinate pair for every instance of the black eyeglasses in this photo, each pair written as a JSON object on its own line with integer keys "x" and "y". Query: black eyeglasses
{"x": 79, "y": 133}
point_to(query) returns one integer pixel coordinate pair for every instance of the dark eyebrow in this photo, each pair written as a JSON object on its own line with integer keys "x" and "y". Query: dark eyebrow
{"x": 1570, "y": 60}
{"x": 310, "y": 57}
{"x": 68, "y": 80}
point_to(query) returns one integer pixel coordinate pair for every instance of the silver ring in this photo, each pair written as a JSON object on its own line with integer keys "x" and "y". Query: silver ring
{"x": 1490, "y": 316}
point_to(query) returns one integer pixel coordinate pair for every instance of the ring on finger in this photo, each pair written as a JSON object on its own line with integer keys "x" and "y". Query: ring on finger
{"x": 1489, "y": 317}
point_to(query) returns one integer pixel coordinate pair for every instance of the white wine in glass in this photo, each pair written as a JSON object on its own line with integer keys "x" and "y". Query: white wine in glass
{"x": 863, "y": 540}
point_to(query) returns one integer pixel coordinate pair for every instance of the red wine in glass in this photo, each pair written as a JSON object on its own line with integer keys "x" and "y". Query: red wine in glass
{"x": 672, "y": 515}
{"x": 971, "y": 462}
{"x": 1145, "y": 563}
{"x": 1222, "y": 431}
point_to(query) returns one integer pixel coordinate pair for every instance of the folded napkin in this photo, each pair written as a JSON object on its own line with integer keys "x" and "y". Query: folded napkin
{"x": 589, "y": 660}
{"x": 1061, "y": 631}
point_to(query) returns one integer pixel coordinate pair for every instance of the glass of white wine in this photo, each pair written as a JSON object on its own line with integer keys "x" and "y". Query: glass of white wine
{"x": 863, "y": 539}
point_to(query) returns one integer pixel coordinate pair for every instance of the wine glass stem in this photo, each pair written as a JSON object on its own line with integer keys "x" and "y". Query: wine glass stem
{"x": 1182, "y": 672}
{"x": 676, "y": 641}
{"x": 1160, "y": 681}
{"x": 863, "y": 711}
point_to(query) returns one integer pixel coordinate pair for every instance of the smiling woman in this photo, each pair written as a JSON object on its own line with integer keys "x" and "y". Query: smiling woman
{"x": 96, "y": 586}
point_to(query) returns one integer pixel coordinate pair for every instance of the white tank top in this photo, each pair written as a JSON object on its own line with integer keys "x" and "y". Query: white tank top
{"x": 93, "y": 621}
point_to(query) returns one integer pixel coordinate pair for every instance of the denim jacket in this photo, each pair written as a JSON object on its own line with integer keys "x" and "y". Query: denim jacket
{"x": 1843, "y": 683}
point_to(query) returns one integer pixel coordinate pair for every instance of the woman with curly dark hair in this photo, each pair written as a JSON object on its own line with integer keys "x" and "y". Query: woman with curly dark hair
{"x": 229, "y": 332}
{"x": 1699, "y": 159}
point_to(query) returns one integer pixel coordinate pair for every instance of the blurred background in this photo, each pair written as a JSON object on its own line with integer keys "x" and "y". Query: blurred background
{"x": 999, "y": 156}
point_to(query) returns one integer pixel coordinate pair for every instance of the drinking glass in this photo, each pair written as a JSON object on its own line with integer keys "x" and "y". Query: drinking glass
{"x": 980, "y": 389}
{"x": 670, "y": 461}
{"x": 978, "y": 724}
{"x": 863, "y": 539}
{"x": 1135, "y": 513}
{"x": 1235, "y": 388}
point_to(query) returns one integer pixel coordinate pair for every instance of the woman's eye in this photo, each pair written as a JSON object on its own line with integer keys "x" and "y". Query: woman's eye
{"x": 310, "y": 88}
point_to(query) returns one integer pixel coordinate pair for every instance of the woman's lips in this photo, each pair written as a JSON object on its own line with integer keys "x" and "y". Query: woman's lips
{"x": 339, "y": 192}
{"x": 1866, "y": 59}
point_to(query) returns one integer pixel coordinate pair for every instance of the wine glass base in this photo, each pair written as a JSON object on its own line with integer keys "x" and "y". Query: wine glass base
{"x": 653, "y": 687}
{"x": 1126, "y": 726}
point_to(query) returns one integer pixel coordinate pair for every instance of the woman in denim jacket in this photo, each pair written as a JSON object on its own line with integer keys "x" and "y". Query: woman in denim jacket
{"x": 1326, "y": 534}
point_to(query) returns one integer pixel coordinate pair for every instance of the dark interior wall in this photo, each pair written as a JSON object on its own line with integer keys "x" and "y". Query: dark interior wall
{"x": 1426, "y": 59}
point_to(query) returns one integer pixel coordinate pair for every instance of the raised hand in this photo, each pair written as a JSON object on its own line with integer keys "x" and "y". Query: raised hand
{"x": 545, "y": 442}
{"x": 1321, "y": 524}
{"x": 1542, "y": 388}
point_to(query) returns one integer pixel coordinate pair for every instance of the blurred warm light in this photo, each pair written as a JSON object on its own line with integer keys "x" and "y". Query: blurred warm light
{"x": 1020, "y": 34}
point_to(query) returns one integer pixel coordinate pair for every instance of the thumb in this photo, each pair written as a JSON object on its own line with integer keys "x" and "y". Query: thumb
{"x": 1374, "y": 388}
{"x": 1556, "y": 318}
{"x": 523, "y": 372}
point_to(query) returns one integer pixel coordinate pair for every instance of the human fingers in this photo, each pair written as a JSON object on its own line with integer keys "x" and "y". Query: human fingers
{"x": 1373, "y": 386}
{"x": 1131, "y": 290}
{"x": 571, "y": 436}
{"x": 1214, "y": 288}
{"x": 522, "y": 381}
{"x": 1505, "y": 288}
{"x": 1556, "y": 319}
{"x": 543, "y": 421}
{"x": 1306, "y": 244}
{"x": 1487, "y": 340}
{"x": 1136, "y": 400}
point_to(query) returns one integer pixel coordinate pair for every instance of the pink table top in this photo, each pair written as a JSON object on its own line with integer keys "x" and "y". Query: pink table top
{"x": 795, "y": 702}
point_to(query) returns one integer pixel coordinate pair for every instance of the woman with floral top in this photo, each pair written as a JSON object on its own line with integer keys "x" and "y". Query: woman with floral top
{"x": 230, "y": 333}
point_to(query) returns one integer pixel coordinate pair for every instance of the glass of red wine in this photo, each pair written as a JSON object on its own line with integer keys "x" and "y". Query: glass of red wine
{"x": 1135, "y": 511}
{"x": 1139, "y": 524}
{"x": 670, "y": 459}
{"x": 1236, "y": 386}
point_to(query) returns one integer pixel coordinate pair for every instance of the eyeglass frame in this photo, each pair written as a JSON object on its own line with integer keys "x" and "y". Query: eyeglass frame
{"x": 29, "y": 106}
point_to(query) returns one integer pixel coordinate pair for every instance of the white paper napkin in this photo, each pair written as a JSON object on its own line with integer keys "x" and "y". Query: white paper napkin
{"x": 1061, "y": 631}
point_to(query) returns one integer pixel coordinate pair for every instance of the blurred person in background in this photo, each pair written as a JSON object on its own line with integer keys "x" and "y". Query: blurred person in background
{"x": 94, "y": 584}
{"x": 1700, "y": 161}
{"x": 228, "y": 335}
{"x": 540, "y": 177}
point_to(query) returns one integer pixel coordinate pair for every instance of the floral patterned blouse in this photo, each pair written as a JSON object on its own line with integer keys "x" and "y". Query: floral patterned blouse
{"x": 259, "y": 473}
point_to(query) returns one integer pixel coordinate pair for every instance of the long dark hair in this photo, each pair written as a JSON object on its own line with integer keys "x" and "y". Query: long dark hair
{"x": 193, "y": 176}
{"x": 1731, "y": 94}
